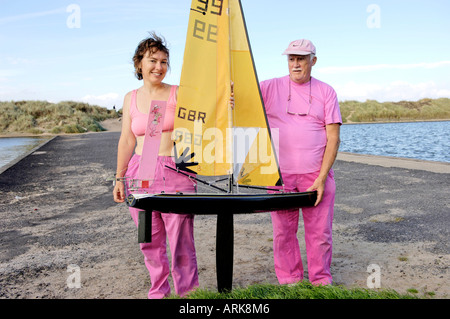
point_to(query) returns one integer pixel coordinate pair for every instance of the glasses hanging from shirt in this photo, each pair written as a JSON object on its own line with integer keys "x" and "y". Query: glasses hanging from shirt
{"x": 289, "y": 101}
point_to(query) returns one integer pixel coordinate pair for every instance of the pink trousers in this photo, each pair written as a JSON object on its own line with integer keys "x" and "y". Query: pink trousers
{"x": 177, "y": 228}
{"x": 318, "y": 238}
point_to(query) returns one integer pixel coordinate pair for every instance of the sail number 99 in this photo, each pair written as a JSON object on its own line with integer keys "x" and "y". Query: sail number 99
{"x": 215, "y": 4}
{"x": 202, "y": 30}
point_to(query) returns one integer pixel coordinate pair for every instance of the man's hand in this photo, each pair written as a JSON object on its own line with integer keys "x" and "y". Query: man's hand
{"x": 331, "y": 149}
{"x": 319, "y": 186}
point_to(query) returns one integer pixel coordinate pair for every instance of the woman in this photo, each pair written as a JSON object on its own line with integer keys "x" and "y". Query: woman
{"x": 151, "y": 62}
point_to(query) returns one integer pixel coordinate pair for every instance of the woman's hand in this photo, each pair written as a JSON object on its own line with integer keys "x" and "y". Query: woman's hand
{"x": 119, "y": 192}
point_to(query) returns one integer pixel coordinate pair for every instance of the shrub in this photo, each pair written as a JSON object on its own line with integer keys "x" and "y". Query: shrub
{"x": 46, "y": 117}
{"x": 373, "y": 111}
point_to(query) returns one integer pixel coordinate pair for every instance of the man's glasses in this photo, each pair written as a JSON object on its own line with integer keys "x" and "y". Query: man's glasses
{"x": 289, "y": 101}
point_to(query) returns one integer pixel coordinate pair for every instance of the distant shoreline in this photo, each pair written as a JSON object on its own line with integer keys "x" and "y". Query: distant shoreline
{"x": 115, "y": 125}
{"x": 402, "y": 121}
{"x": 110, "y": 125}
{"x": 42, "y": 118}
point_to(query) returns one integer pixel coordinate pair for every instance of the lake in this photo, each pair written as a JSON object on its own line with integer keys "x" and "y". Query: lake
{"x": 418, "y": 140}
{"x": 12, "y": 148}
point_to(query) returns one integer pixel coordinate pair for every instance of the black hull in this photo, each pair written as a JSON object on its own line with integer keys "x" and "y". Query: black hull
{"x": 214, "y": 204}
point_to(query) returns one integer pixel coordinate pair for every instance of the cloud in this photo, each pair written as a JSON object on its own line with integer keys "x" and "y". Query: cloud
{"x": 26, "y": 16}
{"x": 9, "y": 73}
{"x": 17, "y": 60}
{"x": 377, "y": 67}
{"x": 393, "y": 91}
{"x": 10, "y": 76}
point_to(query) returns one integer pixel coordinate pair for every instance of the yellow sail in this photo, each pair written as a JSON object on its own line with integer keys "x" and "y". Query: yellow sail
{"x": 224, "y": 141}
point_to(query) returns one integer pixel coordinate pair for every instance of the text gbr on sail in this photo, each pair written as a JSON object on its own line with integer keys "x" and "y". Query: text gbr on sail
{"x": 191, "y": 115}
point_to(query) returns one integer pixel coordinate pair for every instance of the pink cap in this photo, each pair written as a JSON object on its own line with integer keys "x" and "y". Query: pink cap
{"x": 300, "y": 47}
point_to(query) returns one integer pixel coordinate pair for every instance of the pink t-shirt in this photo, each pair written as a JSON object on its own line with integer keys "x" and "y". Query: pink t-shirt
{"x": 139, "y": 119}
{"x": 302, "y": 139}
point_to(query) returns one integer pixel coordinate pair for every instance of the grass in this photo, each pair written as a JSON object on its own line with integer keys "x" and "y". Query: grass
{"x": 373, "y": 111}
{"x": 39, "y": 117}
{"x": 303, "y": 290}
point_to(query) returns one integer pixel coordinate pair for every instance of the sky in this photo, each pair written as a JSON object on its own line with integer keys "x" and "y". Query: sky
{"x": 385, "y": 50}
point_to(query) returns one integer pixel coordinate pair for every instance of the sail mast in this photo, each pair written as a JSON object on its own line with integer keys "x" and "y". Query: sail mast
{"x": 230, "y": 111}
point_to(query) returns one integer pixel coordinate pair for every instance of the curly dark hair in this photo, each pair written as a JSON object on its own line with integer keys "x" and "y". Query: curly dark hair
{"x": 153, "y": 43}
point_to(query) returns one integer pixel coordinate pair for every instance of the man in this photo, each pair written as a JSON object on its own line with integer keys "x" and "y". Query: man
{"x": 306, "y": 113}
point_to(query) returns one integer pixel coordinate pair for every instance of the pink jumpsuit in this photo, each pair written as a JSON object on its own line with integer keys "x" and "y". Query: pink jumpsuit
{"x": 178, "y": 228}
{"x": 301, "y": 122}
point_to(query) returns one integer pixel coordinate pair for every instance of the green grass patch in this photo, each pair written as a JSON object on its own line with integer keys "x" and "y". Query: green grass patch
{"x": 303, "y": 290}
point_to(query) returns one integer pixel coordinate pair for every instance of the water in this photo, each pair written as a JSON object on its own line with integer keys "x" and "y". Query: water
{"x": 418, "y": 140}
{"x": 12, "y": 148}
